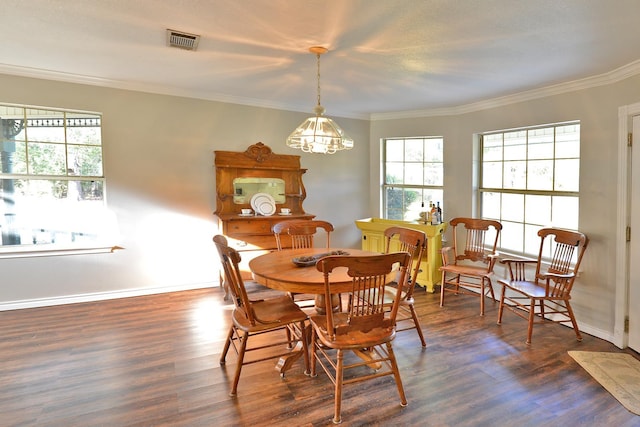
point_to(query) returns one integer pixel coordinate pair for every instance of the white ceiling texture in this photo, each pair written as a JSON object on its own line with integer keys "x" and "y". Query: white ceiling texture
{"x": 385, "y": 56}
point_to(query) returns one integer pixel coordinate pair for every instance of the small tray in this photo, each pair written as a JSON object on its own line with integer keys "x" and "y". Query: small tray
{"x": 311, "y": 260}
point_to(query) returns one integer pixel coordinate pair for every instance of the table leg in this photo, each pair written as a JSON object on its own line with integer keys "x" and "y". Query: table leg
{"x": 285, "y": 362}
{"x": 366, "y": 354}
{"x": 321, "y": 306}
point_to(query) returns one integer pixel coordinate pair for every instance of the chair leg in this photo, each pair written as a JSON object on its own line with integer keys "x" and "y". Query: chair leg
{"x": 396, "y": 374}
{"x": 501, "y": 305}
{"x": 573, "y": 321}
{"x": 305, "y": 346}
{"x": 532, "y": 315}
{"x": 236, "y": 378}
{"x": 312, "y": 355}
{"x": 493, "y": 297}
{"x": 442, "y": 283}
{"x": 337, "y": 419}
{"x": 289, "y": 338}
{"x": 482, "y": 291}
{"x": 227, "y": 343}
{"x": 416, "y": 322}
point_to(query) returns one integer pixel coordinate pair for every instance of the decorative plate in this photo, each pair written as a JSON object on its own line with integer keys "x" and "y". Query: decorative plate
{"x": 263, "y": 203}
{"x": 266, "y": 208}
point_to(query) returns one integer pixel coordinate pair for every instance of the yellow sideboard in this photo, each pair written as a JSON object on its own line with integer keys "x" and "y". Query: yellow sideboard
{"x": 373, "y": 240}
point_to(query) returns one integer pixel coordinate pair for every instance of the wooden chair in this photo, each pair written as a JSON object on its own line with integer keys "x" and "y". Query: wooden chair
{"x": 547, "y": 295}
{"x": 301, "y": 232}
{"x": 252, "y": 318}
{"x": 414, "y": 242}
{"x": 367, "y": 327}
{"x": 468, "y": 264}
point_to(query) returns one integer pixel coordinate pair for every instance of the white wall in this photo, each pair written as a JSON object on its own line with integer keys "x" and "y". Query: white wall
{"x": 158, "y": 161}
{"x": 594, "y": 295}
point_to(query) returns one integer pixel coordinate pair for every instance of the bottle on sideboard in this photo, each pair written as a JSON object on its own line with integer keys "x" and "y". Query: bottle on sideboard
{"x": 434, "y": 215}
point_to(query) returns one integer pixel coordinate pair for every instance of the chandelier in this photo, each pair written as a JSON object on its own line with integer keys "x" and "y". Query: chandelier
{"x": 319, "y": 134}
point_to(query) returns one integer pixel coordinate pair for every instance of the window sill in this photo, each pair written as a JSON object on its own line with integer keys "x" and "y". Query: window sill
{"x": 31, "y": 252}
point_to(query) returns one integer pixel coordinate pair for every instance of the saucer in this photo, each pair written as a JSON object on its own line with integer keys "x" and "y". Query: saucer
{"x": 241, "y": 214}
{"x": 284, "y": 214}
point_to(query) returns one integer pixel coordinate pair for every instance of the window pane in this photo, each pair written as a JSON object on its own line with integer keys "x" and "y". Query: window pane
{"x": 531, "y": 241}
{"x": 83, "y": 129}
{"x": 46, "y": 159}
{"x": 511, "y": 236}
{"x": 413, "y": 173}
{"x": 394, "y": 150}
{"x": 85, "y": 160}
{"x": 394, "y": 203}
{"x": 540, "y": 144}
{"x": 395, "y": 173}
{"x": 492, "y": 147}
{"x": 413, "y": 204}
{"x": 433, "y": 149}
{"x": 491, "y": 205}
{"x": 512, "y": 207}
{"x": 433, "y": 174}
{"x": 515, "y": 175}
{"x": 540, "y": 175}
{"x": 565, "y": 212}
{"x": 515, "y": 145}
{"x": 492, "y": 175}
{"x": 568, "y": 141}
{"x": 16, "y": 161}
{"x": 568, "y": 175}
{"x": 538, "y": 210}
{"x": 413, "y": 150}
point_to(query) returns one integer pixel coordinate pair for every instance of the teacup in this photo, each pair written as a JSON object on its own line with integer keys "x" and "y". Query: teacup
{"x": 246, "y": 211}
{"x": 285, "y": 211}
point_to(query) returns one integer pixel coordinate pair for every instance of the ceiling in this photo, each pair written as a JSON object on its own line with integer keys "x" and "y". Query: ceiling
{"x": 384, "y": 56}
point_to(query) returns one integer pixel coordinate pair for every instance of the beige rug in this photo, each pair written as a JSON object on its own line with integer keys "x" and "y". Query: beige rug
{"x": 618, "y": 373}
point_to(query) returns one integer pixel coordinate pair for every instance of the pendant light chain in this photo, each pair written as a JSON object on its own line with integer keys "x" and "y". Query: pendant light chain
{"x": 318, "y": 75}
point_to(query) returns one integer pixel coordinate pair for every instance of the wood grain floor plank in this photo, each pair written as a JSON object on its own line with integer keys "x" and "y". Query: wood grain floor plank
{"x": 153, "y": 360}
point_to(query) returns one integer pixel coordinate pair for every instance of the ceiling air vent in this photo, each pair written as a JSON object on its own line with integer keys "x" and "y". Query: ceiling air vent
{"x": 182, "y": 40}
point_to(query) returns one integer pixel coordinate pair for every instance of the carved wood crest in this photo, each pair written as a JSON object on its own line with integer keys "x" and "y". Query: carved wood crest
{"x": 258, "y": 152}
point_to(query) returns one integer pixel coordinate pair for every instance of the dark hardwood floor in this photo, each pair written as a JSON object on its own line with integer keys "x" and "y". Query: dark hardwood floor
{"x": 153, "y": 361}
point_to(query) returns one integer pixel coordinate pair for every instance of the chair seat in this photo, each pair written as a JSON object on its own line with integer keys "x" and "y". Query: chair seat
{"x": 353, "y": 340}
{"x": 269, "y": 314}
{"x": 467, "y": 270}
{"x": 530, "y": 289}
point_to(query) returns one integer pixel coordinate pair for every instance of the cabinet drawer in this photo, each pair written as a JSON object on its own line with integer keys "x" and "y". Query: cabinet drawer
{"x": 249, "y": 227}
{"x": 252, "y": 242}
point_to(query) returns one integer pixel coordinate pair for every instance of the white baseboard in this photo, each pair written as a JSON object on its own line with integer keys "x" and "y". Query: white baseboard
{"x": 100, "y": 296}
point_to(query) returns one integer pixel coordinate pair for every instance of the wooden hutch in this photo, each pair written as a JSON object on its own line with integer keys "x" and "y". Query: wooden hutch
{"x": 240, "y": 175}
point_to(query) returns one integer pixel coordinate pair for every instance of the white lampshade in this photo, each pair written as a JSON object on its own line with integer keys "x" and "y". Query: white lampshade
{"x": 319, "y": 134}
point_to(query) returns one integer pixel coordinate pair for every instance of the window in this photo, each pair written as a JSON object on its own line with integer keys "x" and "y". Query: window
{"x": 530, "y": 179}
{"x": 413, "y": 176}
{"x": 51, "y": 179}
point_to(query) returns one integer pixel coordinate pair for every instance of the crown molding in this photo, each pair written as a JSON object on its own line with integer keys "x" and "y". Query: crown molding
{"x": 614, "y": 76}
{"x": 39, "y": 73}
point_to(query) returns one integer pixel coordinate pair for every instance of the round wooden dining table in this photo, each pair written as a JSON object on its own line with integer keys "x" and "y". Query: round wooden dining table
{"x": 276, "y": 270}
